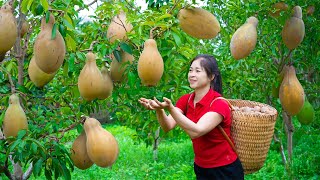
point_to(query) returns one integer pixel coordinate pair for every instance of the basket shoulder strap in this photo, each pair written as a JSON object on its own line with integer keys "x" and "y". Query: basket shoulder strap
{"x": 222, "y": 130}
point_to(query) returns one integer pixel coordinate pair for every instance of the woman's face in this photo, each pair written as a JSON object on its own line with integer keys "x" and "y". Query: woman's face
{"x": 197, "y": 76}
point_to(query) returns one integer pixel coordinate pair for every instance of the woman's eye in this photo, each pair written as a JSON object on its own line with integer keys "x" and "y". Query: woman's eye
{"x": 198, "y": 71}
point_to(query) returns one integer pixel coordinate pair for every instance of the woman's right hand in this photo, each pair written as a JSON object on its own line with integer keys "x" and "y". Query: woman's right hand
{"x": 149, "y": 104}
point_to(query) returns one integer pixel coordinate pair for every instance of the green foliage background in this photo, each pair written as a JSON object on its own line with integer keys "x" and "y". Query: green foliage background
{"x": 59, "y": 105}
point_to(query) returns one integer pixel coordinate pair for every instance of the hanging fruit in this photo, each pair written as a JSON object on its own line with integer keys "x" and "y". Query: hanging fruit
{"x": 119, "y": 27}
{"x": 291, "y": 93}
{"x": 102, "y": 147}
{"x": 198, "y": 23}
{"x": 117, "y": 69}
{"x": 37, "y": 76}
{"x": 49, "y": 52}
{"x": 244, "y": 40}
{"x": 24, "y": 27}
{"x": 294, "y": 30}
{"x": 150, "y": 64}
{"x": 107, "y": 85}
{"x": 15, "y": 118}
{"x": 306, "y": 114}
{"x": 278, "y": 8}
{"x": 90, "y": 81}
{"x": 79, "y": 153}
{"x": 8, "y": 29}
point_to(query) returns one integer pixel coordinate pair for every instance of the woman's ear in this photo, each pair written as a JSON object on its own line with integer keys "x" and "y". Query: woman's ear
{"x": 212, "y": 77}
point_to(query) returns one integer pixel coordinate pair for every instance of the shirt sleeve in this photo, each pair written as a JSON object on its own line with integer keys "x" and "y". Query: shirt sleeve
{"x": 183, "y": 102}
{"x": 221, "y": 107}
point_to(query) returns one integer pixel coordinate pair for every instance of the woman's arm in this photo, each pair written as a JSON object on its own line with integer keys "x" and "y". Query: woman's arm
{"x": 205, "y": 124}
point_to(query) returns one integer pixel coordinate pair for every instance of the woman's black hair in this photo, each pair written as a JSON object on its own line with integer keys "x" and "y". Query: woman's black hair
{"x": 210, "y": 65}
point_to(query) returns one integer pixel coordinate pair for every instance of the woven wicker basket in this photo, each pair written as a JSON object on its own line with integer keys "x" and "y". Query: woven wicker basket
{"x": 252, "y": 134}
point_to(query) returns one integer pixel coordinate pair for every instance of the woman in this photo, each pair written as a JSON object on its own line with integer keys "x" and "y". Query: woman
{"x": 194, "y": 113}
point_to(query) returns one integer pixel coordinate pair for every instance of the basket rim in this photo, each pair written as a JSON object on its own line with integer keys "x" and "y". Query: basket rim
{"x": 273, "y": 110}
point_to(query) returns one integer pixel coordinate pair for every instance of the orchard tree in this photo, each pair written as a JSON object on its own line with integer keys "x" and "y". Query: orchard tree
{"x": 57, "y": 107}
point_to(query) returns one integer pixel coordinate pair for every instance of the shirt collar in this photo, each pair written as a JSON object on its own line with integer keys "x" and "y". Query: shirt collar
{"x": 207, "y": 99}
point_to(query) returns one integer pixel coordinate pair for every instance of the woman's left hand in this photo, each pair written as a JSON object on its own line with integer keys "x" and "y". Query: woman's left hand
{"x": 167, "y": 104}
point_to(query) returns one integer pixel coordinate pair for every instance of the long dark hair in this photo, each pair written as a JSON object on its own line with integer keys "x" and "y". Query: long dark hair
{"x": 210, "y": 65}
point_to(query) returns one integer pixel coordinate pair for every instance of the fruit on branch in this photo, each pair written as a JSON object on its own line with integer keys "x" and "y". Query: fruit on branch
{"x": 278, "y": 8}
{"x": 15, "y": 118}
{"x": 306, "y": 114}
{"x": 90, "y": 80}
{"x": 293, "y": 31}
{"x": 107, "y": 85}
{"x": 117, "y": 69}
{"x": 198, "y": 23}
{"x": 37, "y": 76}
{"x": 8, "y": 29}
{"x": 244, "y": 40}
{"x": 119, "y": 27}
{"x": 102, "y": 147}
{"x": 150, "y": 64}
{"x": 291, "y": 92}
{"x": 24, "y": 27}
{"x": 79, "y": 153}
{"x": 49, "y": 52}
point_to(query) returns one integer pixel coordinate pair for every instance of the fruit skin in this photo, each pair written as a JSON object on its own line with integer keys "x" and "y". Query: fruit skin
{"x": 79, "y": 153}
{"x": 306, "y": 114}
{"x": 49, "y": 53}
{"x": 37, "y": 76}
{"x": 150, "y": 64}
{"x": 293, "y": 31}
{"x": 198, "y": 23}
{"x": 15, "y": 118}
{"x": 117, "y": 69}
{"x": 118, "y": 28}
{"x": 24, "y": 28}
{"x": 8, "y": 29}
{"x": 279, "y": 7}
{"x": 107, "y": 85}
{"x": 90, "y": 80}
{"x": 244, "y": 40}
{"x": 102, "y": 147}
{"x": 291, "y": 93}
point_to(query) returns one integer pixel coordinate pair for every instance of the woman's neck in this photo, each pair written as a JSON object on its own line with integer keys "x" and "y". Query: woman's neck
{"x": 200, "y": 93}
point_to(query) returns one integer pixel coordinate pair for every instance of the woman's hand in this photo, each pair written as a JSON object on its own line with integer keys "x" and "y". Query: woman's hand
{"x": 149, "y": 104}
{"x": 166, "y": 104}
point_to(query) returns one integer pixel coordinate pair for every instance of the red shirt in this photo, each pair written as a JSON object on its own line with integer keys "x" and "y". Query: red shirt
{"x": 212, "y": 149}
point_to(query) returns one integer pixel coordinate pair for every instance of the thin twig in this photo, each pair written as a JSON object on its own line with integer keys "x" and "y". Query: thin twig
{"x": 283, "y": 155}
{"x": 13, "y": 89}
{"x": 82, "y": 8}
{"x": 174, "y": 6}
{"x": 28, "y": 172}
{"x": 90, "y": 48}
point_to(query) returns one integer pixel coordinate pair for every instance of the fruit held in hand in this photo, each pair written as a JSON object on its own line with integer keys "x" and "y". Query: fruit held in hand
{"x": 102, "y": 147}
{"x": 15, "y": 118}
{"x": 198, "y": 23}
{"x": 244, "y": 40}
{"x": 150, "y": 64}
{"x": 79, "y": 153}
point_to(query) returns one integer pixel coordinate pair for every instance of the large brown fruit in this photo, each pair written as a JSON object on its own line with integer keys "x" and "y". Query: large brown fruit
{"x": 119, "y": 27}
{"x": 150, "y": 64}
{"x": 102, "y": 147}
{"x": 49, "y": 53}
{"x": 79, "y": 153}
{"x": 294, "y": 30}
{"x": 278, "y": 8}
{"x": 198, "y": 23}
{"x": 8, "y": 29}
{"x": 37, "y": 76}
{"x": 107, "y": 85}
{"x": 117, "y": 69}
{"x": 90, "y": 80}
{"x": 15, "y": 118}
{"x": 244, "y": 40}
{"x": 291, "y": 93}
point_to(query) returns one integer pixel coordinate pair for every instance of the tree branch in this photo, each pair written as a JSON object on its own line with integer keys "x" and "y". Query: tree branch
{"x": 174, "y": 6}
{"x": 28, "y": 172}
{"x": 90, "y": 48}
{"x": 283, "y": 155}
{"x": 82, "y": 8}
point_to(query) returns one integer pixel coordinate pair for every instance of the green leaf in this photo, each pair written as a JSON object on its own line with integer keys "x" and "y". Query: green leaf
{"x": 176, "y": 38}
{"x": 34, "y": 147}
{"x": 29, "y": 4}
{"x": 23, "y": 89}
{"x": 47, "y": 16}
{"x": 54, "y": 31}
{"x": 71, "y": 62}
{"x": 116, "y": 54}
{"x": 24, "y": 6}
{"x": 126, "y": 47}
{"x": 21, "y": 133}
{"x": 37, "y": 167}
{"x": 71, "y": 43}
{"x": 39, "y": 9}
{"x": 62, "y": 30}
{"x": 163, "y": 17}
{"x": 45, "y": 4}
